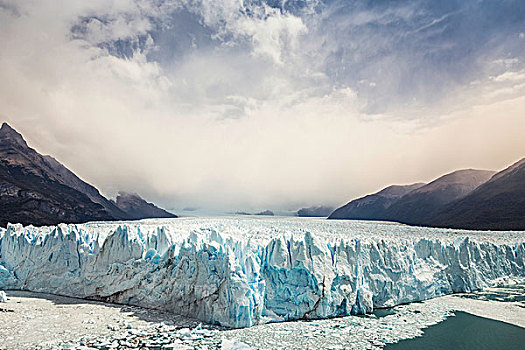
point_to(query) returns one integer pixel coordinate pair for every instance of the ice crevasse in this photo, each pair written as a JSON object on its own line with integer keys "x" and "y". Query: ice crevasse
{"x": 241, "y": 272}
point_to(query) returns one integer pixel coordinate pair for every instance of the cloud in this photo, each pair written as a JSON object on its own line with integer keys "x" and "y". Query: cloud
{"x": 270, "y": 30}
{"x": 273, "y": 34}
{"x": 510, "y": 76}
{"x": 417, "y": 51}
{"x": 245, "y": 105}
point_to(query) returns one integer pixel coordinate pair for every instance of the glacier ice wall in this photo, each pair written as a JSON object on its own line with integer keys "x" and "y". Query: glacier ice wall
{"x": 241, "y": 272}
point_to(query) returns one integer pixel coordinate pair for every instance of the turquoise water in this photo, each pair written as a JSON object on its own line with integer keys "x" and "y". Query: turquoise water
{"x": 466, "y": 332}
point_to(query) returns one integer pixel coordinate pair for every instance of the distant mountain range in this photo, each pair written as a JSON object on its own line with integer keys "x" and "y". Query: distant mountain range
{"x": 419, "y": 205}
{"x": 37, "y": 189}
{"x": 137, "y": 208}
{"x": 498, "y": 204}
{"x": 262, "y": 213}
{"x": 315, "y": 211}
{"x": 470, "y": 199}
{"x": 373, "y": 206}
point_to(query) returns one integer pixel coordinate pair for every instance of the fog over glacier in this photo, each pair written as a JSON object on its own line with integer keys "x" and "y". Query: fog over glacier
{"x": 253, "y": 105}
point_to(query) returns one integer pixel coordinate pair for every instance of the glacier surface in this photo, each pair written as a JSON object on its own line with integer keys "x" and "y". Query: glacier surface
{"x": 238, "y": 272}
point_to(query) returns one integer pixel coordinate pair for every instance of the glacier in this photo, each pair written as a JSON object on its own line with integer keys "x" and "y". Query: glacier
{"x": 239, "y": 272}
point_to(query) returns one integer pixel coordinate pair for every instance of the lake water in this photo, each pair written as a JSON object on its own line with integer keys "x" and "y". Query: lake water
{"x": 466, "y": 332}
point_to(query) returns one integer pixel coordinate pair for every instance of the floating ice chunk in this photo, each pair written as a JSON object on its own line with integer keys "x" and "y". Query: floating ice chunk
{"x": 227, "y": 344}
{"x": 3, "y": 297}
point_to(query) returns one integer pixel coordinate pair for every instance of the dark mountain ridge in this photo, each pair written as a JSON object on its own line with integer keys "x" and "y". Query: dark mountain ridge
{"x": 315, "y": 211}
{"x": 16, "y": 153}
{"x": 498, "y": 204}
{"x": 464, "y": 199}
{"x": 373, "y": 206}
{"x": 137, "y": 208}
{"x": 38, "y": 190}
{"x": 419, "y": 205}
{"x": 32, "y": 193}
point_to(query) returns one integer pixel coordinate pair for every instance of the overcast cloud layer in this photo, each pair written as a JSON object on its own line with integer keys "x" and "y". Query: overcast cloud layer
{"x": 247, "y": 105}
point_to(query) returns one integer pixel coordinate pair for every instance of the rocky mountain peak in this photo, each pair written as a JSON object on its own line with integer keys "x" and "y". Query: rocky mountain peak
{"x": 8, "y": 135}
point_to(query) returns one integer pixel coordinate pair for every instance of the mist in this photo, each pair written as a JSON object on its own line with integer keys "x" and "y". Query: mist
{"x": 245, "y": 106}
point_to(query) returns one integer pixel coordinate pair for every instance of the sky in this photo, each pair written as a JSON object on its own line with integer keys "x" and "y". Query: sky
{"x": 250, "y": 105}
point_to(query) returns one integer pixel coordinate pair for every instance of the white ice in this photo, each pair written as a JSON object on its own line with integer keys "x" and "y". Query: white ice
{"x": 238, "y": 272}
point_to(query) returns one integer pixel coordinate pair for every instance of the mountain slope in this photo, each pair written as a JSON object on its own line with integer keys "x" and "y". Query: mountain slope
{"x": 68, "y": 178}
{"x": 417, "y": 206}
{"x": 31, "y": 192}
{"x": 37, "y": 189}
{"x": 373, "y": 206}
{"x": 498, "y": 204}
{"x": 15, "y": 152}
{"x": 137, "y": 208}
{"x": 319, "y": 211}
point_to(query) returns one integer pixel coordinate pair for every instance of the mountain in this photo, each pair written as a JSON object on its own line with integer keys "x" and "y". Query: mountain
{"x": 373, "y": 206}
{"x": 417, "y": 206}
{"x": 34, "y": 188}
{"x": 137, "y": 208}
{"x": 262, "y": 213}
{"x": 498, "y": 204}
{"x": 265, "y": 213}
{"x": 320, "y": 211}
{"x": 14, "y": 151}
{"x": 68, "y": 178}
{"x": 37, "y": 189}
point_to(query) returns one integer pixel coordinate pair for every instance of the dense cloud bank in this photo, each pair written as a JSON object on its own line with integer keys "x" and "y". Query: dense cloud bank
{"x": 197, "y": 103}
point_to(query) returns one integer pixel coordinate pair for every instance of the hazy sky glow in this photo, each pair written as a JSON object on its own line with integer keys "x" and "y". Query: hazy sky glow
{"x": 247, "y": 105}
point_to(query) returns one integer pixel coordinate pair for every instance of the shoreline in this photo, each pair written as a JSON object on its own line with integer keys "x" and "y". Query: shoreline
{"x": 45, "y": 321}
